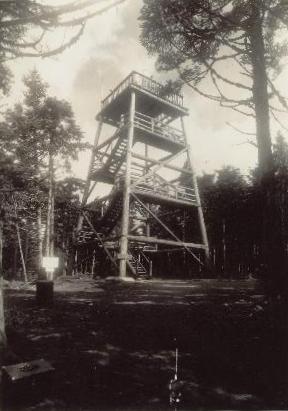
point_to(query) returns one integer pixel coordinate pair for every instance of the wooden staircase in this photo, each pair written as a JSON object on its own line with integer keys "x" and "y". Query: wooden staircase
{"x": 109, "y": 165}
{"x": 138, "y": 264}
{"x": 117, "y": 156}
{"x": 111, "y": 215}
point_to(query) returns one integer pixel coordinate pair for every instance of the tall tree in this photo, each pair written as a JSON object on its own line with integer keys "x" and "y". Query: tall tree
{"x": 13, "y": 179}
{"x": 199, "y": 39}
{"x": 48, "y": 125}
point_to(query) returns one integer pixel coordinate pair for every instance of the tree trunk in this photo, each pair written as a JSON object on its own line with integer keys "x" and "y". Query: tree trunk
{"x": 71, "y": 260}
{"x": 40, "y": 242}
{"x": 3, "y": 340}
{"x": 260, "y": 94}
{"x": 15, "y": 261}
{"x": 273, "y": 257}
{"x": 21, "y": 253}
{"x": 224, "y": 246}
{"x": 50, "y": 211}
{"x": 19, "y": 242}
{"x": 26, "y": 249}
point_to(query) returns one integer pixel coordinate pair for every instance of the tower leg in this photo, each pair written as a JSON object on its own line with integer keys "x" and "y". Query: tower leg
{"x": 126, "y": 194}
{"x": 86, "y": 192}
{"x": 195, "y": 185}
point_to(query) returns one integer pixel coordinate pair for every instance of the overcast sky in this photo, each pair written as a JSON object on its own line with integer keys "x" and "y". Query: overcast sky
{"x": 107, "y": 52}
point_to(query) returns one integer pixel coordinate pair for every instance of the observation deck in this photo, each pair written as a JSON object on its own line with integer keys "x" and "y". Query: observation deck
{"x": 169, "y": 103}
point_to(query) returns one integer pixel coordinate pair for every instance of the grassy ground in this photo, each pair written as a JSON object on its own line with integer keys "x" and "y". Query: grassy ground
{"x": 113, "y": 344}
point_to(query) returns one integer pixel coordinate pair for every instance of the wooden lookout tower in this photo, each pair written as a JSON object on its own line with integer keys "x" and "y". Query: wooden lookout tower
{"x": 150, "y": 220}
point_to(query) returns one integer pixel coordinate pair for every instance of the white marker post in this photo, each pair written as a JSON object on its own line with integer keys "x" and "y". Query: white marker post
{"x": 45, "y": 288}
{"x": 50, "y": 264}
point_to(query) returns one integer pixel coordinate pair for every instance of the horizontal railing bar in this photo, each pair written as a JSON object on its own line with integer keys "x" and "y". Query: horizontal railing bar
{"x": 146, "y": 83}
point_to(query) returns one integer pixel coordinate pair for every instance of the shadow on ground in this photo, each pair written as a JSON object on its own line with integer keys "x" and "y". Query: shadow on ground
{"x": 113, "y": 345}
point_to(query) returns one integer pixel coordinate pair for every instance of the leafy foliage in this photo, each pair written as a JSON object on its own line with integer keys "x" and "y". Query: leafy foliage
{"x": 44, "y": 123}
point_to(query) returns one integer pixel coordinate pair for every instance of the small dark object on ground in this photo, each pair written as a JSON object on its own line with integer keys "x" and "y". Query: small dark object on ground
{"x": 44, "y": 293}
{"x": 24, "y": 382}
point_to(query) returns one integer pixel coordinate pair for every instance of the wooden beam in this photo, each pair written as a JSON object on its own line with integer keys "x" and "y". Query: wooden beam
{"x": 154, "y": 240}
{"x": 156, "y": 196}
{"x": 164, "y": 250}
{"x": 151, "y": 160}
{"x": 108, "y": 141}
{"x": 195, "y": 186}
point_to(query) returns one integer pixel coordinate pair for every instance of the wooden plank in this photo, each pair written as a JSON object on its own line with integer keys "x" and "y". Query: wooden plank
{"x": 154, "y": 240}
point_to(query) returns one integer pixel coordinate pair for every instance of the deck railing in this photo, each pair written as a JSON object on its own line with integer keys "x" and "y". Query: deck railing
{"x": 177, "y": 193}
{"x": 147, "y": 84}
{"x": 154, "y": 184}
{"x": 155, "y": 126}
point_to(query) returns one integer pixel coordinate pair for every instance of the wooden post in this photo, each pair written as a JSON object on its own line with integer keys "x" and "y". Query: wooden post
{"x": 126, "y": 193}
{"x": 195, "y": 185}
{"x": 86, "y": 192}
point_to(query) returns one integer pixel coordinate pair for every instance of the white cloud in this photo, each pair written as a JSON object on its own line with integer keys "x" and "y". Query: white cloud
{"x": 106, "y": 53}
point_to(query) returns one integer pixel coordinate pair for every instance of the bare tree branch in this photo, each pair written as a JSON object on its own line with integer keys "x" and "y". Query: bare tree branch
{"x": 50, "y": 53}
{"x": 43, "y": 17}
{"x": 281, "y": 99}
{"x": 278, "y": 121}
{"x": 240, "y": 131}
{"x": 252, "y": 143}
{"x": 51, "y": 13}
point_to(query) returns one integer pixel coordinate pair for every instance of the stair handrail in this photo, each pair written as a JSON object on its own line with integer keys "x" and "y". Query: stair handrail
{"x": 145, "y": 257}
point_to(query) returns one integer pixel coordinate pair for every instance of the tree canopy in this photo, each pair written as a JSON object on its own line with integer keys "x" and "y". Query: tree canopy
{"x": 25, "y": 26}
{"x": 45, "y": 123}
{"x": 201, "y": 39}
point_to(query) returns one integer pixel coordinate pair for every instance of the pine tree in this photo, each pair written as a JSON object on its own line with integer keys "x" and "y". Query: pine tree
{"x": 199, "y": 39}
{"x": 46, "y": 124}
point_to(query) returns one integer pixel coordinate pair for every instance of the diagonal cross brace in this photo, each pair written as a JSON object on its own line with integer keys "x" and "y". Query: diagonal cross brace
{"x": 158, "y": 167}
{"x": 100, "y": 239}
{"x": 166, "y": 228}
